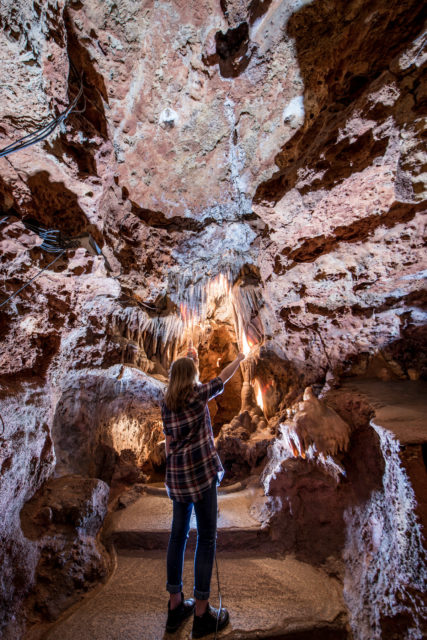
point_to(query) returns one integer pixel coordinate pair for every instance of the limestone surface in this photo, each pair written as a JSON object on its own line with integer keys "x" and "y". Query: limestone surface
{"x": 235, "y": 171}
{"x": 266, "y": 597}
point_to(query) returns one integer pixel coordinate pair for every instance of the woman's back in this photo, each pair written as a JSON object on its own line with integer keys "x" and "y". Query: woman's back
{"x": 192, "y": 462}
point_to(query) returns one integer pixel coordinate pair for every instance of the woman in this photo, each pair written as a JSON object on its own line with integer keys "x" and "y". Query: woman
{"x": 193, "y": 470}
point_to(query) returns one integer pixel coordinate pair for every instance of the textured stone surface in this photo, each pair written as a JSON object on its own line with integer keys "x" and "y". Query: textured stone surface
{"x": 146, "y": 523}
{"x": 317, "y": 425}
{"x": 27, "y": 461}
{"x": 277, "y": 597}
{"x": 64, "y": 518}
{"x": 369, "y": 502}
{"x": 279, "y": 142}
{"x": 104, "y": 414}
{"x": 68, "y": 421}
{"x": 310, "y": 490}
{"x": 171, "y": 150}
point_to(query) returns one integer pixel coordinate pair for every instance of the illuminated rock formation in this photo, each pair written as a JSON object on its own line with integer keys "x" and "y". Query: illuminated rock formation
{"x": 317, "y": 425}
{"x": 246, "y": 169}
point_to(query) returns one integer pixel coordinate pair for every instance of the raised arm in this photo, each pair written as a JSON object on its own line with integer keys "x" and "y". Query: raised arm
{"x": 231, "y": 368}
{"x": 192, "y": 352}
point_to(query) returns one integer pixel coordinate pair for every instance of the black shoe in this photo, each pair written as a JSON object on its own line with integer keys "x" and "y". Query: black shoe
{"x": 207, "y": 623}
{"x": 179, "y": 614}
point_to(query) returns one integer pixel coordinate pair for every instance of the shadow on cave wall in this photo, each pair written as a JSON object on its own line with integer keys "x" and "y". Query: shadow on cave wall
{"x": 341, "y": 49}
{"x": 310, "y": 248}
{"x": 95, "y": 90}
{"x": 6, "y": 197}
{"x": 57, "y": 207}
{"x": 401, "y": 359}
{"x": 234, "y": 48}
{"x": 91, "y": 123}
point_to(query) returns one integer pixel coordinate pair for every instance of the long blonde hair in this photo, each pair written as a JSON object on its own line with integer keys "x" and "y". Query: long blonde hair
{"x": 182, "y": 378}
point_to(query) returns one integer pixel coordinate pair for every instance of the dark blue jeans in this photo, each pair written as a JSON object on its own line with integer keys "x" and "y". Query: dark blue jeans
{"x": 206, "y": 517}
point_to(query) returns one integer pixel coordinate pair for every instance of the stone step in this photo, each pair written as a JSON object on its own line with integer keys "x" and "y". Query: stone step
{"x": 145, "y": 524}
{"x": 267, "y": 597}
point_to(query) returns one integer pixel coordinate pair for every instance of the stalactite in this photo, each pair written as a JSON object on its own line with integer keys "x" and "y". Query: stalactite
{"x": 197, "y": 303}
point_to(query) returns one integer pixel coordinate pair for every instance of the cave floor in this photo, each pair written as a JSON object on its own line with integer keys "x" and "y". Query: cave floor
{"x": 400, "y": 407}
{"x": 267, "y": 595}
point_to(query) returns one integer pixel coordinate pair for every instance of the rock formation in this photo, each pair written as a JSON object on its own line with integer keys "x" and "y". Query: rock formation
{"x": 64, "y": 518}
{"x": 318, "y": 426}
{"x": 234, "y": 172}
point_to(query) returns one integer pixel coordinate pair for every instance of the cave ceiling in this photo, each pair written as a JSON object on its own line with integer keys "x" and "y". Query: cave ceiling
{"x": 280, "y": 144}
{"x": 239, "y": 172}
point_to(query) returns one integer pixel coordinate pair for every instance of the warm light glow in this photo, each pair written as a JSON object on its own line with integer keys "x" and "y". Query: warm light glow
{"x": 258, "y": 395}
{"x": 189, "y": 316}
{"x": 218, "y": 287}
{"x": 260, "y": 392}
{"x": 200, "y": 302}
{"x": 259, "y": 399}
{"x": 246, "y": 344}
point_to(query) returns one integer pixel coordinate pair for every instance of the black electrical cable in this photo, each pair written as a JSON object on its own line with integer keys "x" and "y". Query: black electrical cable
{"x": 220, "y": 599}
{"x": 53, "y": 240}
{"x": 42, "y": 133}
{"x": 32, "y": 279}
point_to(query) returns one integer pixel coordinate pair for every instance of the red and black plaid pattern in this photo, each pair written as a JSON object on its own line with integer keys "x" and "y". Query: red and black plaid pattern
{"x": 193, "y": 461}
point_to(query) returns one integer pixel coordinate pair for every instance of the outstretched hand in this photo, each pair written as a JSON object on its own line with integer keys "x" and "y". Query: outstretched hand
{"x": 192, "y": 352}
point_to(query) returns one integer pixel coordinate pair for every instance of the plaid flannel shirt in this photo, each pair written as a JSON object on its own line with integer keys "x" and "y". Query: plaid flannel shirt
{"x": 193, "y": 461}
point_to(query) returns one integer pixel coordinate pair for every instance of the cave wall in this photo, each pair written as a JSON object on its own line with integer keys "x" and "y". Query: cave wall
{"x": 346, "y": 493}
{"x": 285, "y": 135}
{"x": 346, "y": 207}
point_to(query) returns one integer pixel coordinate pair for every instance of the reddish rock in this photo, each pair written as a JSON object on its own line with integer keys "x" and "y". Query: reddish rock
{"x": 108, "y": 425}
{"x": 310, "y": 492}
{"x": 278, "y": 143}
{"x": 64, "y": 518}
